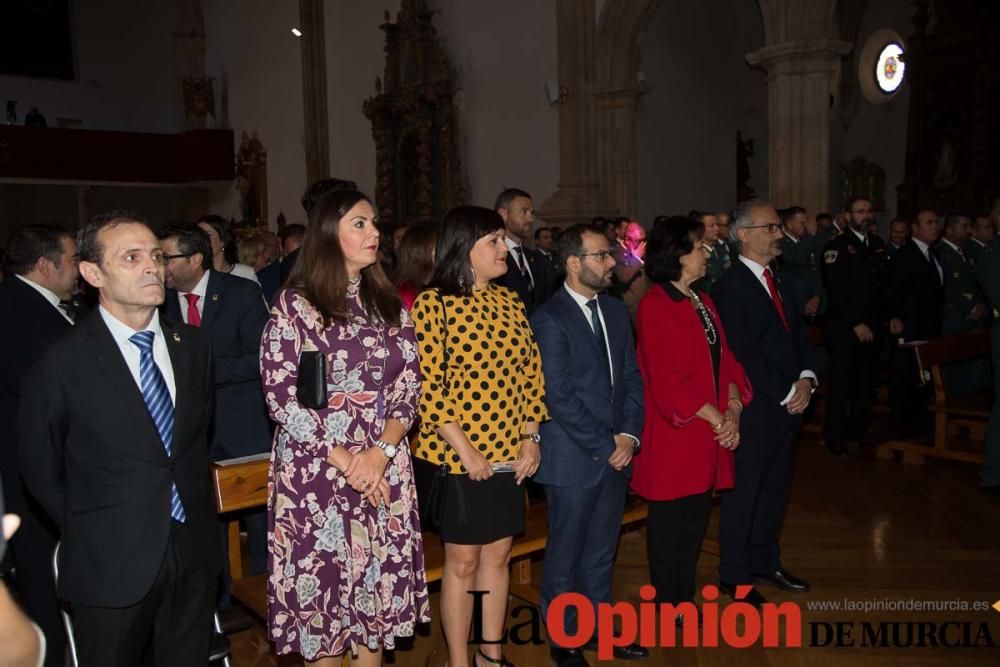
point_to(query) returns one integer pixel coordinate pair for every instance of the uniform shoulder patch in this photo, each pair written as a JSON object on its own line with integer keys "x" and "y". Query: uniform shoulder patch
{"x": 830, "y": 256}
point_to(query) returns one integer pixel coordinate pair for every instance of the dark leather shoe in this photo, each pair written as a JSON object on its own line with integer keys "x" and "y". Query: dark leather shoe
{"x": 783, "y": 580}
{"x": 568, "y": 657}
{"x": 753, "y": 597}
{"x": 630, "y": 652}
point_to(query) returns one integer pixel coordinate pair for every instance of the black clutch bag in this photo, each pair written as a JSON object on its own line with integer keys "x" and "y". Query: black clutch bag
{"x": 311, "y": 386}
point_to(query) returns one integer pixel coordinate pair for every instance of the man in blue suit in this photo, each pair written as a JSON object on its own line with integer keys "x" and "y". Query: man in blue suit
{"x": 593, "y": 391}
{"x": 231, "y": 310}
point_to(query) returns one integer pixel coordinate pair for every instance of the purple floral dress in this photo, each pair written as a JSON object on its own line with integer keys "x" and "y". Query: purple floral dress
{"x": 343, "y": 573}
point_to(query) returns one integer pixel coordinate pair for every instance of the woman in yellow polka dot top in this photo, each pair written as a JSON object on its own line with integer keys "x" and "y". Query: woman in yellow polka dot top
{"x": 481, "y": 407}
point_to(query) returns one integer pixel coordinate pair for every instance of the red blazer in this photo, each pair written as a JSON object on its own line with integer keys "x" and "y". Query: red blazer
{"x": 679, "y": 455}
{"x": 407, "y": 294}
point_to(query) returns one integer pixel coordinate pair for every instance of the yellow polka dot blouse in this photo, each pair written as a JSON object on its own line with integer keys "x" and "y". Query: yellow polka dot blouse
{"x": 493, "y": 384}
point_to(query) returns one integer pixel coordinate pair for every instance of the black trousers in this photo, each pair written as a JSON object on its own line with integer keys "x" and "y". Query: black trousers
{"x": 907, "y": 398}
{"x": 31, "y": 548}
{"x": 754, "y": 510}
{"x": 852, "y": 375}
{"x": 674, "y": 533}
{"x": 170, "y": 627}
{"x": 584, "y": 526}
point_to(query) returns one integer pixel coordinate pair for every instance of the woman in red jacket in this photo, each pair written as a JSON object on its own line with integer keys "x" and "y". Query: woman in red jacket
{"x": 694, "y": 393}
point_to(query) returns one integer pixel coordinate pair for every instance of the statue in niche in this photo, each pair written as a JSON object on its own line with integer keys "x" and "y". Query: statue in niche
{"x": 946, "y": 173}
{"x": 12, "y": 112}
{"x": 251, "y": 180}
{"x": 744, "y": 151}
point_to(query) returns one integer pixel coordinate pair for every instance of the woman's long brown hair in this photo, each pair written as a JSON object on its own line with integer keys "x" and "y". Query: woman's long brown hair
{"x": 320, "y": 273}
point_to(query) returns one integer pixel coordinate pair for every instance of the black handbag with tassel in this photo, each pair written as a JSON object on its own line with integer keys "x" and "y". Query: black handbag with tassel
{"x": 310, "y": 388}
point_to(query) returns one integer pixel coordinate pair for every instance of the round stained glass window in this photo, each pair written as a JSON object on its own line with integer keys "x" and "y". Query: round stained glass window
{"x": 890, "y": 68}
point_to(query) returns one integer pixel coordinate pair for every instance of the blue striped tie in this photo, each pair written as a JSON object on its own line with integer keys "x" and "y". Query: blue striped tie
{"x": 161, "y": 408}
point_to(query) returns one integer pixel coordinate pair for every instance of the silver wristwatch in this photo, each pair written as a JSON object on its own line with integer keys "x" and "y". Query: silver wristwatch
{"x": 534, "y": 437}
{"x": 390, "y": 450}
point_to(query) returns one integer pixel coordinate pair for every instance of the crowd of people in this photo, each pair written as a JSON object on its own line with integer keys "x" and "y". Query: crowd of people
{"x": 422, "y": 377}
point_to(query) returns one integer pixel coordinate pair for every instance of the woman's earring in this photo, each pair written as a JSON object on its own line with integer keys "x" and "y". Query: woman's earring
{"x": 461, "y": 281}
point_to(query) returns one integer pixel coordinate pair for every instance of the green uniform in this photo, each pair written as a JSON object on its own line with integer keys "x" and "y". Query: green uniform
{"x": 798, "y": 263}
{"x": 961, "y": 295}
{"x": 713, "y": 269}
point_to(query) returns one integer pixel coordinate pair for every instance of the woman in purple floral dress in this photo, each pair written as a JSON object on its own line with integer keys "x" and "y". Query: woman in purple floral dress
{"x": 346, "y": 558}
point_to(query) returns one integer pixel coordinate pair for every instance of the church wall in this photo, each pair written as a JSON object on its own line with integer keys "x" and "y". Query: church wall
{"x": 701, "y": 92}
{"x": 257, "y": 65}
{"x": 875, "y": 131}
{"x": 504, "y": 52}
{"x": 125, "y": 73}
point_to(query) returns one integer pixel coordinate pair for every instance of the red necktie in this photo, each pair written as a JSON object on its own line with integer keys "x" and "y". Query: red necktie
{"x": 194, "y": 317}
{"x": 772, "y": 287}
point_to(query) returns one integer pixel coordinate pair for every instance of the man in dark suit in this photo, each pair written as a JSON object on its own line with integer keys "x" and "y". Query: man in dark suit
{"x": 231, "y": 311}
{"x": 852, "y": 272}
{"x": 898, "y": 233}
{"x": 37, "y": 309}
{"x": 594, "y": 394}
{"x": 766, "y": 333}
{"x": 988, "y": 272}
{"x": 114, "y": 444}
{"x": 714, "y": 262}
{"x": 915, "y": 303}
{"x": 528, "y": 272}
{"x": 981, "y": 237}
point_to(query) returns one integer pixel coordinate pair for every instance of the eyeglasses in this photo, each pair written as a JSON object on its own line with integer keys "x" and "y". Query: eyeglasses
{"x": 771, "y": 229}
{"x": 601, "y": 255}
{"x": 167, "y": 258}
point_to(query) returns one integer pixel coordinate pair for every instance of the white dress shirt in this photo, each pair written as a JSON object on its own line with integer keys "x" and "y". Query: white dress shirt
{"x": 49, "y": 295}
{"x": 522, "y": 259}
{"x": 924, "y": 248}
{"x": 244, "y": 271}
{"x": 861, "y": 237}
{"x": 121, "y": 332}
{"x": 582, "y": 301}
{"x": 758, "y": 271}
{"x": 201, "y": 289}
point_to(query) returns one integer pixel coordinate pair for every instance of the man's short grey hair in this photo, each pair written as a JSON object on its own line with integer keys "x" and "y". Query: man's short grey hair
{"x": 741, "y": 216}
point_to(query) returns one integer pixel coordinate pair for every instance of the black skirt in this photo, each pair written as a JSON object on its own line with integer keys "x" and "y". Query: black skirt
{"x": 482, "y": 512}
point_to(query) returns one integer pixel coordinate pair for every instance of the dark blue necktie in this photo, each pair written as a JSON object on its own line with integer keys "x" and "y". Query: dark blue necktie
{"x": 595, "y": 321}
{"x": 161, "y": 408}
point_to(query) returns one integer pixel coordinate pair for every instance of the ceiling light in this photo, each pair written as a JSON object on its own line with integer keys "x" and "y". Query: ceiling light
{"x": 296, "y": 32}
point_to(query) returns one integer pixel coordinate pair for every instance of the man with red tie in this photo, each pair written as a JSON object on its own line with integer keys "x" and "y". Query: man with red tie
{"x": 232, "y": 311}
{"x": 766, "y": 334}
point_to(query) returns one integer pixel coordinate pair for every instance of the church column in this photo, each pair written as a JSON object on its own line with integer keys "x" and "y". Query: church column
{"x": 802, "y": 58}
{"x": 577, "y": 198}
{"x": 317, "y": 140}
{"x": 800, "y": 80}
{"x": 616, "y": 150}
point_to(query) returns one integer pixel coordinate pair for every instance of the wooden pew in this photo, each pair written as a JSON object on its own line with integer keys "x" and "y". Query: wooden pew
{"x": 971, "y": 410}
{"x": 241, "y": 484}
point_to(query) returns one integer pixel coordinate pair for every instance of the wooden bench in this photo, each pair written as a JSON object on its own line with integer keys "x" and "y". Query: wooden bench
{"x": 241, "y": 484}
{"x": 970, "y": 410}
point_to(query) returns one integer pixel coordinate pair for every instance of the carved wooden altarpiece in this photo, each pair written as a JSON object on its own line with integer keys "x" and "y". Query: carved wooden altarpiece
{"x": 953, "y": 135}
{"x": 418, "y": 173}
